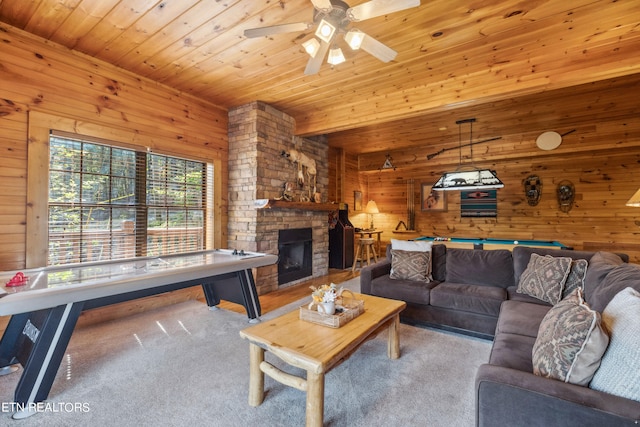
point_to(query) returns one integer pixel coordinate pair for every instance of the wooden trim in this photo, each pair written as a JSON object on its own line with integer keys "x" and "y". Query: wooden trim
{"x": 304, "y": 206}
{"x": 116, "y": 136}
{"x": 39, "y": 127}
{"x": 37, "y": 193}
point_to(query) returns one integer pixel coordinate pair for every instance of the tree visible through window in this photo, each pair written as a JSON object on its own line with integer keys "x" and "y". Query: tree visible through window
{"x": 108, "y": 203}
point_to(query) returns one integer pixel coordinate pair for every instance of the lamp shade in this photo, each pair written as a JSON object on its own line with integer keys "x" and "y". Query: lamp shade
{"x": 312, "y": 46}
{"x": 371, "y": 207}
{"x": 325, "y": 31}
{"x": 354, "y": 38}
{"x": 335, "y": 56}
{"x": 634, "y": 200}
{"x": 480, "y": 179}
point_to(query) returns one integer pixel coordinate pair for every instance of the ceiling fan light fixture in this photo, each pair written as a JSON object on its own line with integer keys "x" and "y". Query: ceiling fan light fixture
{"x": 335, "y": 56}
{"x": 333, "y": 17}
{"x": 325, "y": 31}
{"x": 354, "y": 38}
{"x": 311, "y": 46}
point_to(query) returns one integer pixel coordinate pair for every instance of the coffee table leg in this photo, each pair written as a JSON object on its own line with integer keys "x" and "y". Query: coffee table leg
{"x": 393, "y": 343}
{"x": 256, "y": 376}
{"x": 315, "y": 399}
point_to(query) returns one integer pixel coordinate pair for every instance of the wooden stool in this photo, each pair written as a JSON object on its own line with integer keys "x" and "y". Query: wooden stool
{"x": 368, "y": 245}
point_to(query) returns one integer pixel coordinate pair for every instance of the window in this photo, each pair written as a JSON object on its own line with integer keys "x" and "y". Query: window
{"x": 107, "y": 202}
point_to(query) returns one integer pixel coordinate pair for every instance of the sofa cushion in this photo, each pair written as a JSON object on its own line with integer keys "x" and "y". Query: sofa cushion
{"x": 405, "y": 290}
{"x": 521, "y": 318}
{"x": 478, "y": 267}
{"x": 544, "y": 277}
{"x": 472, "y": 298}
{"x": 412, "y": 265}
{"x": 512, "y": 351}
{"x": 621, "y": 277}
{"x": 570, "y": 342}
{"x": 619, "y": 372}
{"x": 600, "y": 264}
{"x": 439, "y": 262}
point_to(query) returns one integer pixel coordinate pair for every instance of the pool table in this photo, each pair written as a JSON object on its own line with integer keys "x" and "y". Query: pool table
{"x": 489, "y": 243}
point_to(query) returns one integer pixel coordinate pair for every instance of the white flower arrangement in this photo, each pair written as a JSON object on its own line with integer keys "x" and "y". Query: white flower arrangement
{"x": 325, "y": 293}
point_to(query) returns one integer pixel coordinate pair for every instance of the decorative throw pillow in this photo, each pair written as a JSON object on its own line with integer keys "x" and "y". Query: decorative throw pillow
{"x": 619, "y": 372}
{"x": 411, "y": 245}
{"x": 410, "y": 265}
{"x": 544, "y": 277}
{"x": 576, "y": 276}
{"x": 570, "y": 342}
{"x": 414, "y": 246}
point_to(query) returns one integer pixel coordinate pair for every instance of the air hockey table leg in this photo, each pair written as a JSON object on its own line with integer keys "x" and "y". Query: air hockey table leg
{"x": 8, "y": 369}
{"x": 9, "y": 344}
{"x": 250, "y": 295}
{"x": 40, "y": 351}
{"x": 238, "y": 287}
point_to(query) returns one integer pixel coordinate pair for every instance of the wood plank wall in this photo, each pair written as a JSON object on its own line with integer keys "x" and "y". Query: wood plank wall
{"x": 601, "y": 159}
{"x": 43, "y": 77}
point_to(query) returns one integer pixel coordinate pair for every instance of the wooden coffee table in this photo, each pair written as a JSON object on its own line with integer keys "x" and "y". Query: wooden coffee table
{"x": 316, "y": 349}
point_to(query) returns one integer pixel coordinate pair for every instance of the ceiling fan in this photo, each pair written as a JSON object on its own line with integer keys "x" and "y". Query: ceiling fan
{"x": 333, "y": 17}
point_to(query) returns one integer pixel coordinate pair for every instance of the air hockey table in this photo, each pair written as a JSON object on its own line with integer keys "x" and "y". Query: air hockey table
{"x": 44, "y": 310}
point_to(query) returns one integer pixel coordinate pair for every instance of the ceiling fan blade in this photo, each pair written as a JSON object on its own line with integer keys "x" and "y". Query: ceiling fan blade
{"x": 322, "y": 5}
{"x": 276, "y": 29}
{"x": 378, "y": 49}
{"x": 313, "y": 66}
{"x": 374, "y": 8}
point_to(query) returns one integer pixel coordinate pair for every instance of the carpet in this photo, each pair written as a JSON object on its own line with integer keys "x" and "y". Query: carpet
{"x": 185, "y": 365}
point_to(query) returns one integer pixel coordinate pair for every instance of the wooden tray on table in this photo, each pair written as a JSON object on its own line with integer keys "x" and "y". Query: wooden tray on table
{"x": 347, "y": 309}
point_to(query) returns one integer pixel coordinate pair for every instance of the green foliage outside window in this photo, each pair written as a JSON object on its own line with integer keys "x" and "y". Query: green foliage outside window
{"x": 104, "y": 201}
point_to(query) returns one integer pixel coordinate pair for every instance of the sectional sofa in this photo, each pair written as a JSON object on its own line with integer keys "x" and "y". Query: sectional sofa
{"x": 465, "y": 292}
{"x": 558, "y": 358}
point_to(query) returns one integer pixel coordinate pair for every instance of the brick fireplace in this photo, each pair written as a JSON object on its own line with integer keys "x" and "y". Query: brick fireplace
{"x": 258, "y": 133}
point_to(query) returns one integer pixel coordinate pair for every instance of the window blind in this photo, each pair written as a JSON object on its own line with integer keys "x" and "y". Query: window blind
{"x": 110, "y": 202}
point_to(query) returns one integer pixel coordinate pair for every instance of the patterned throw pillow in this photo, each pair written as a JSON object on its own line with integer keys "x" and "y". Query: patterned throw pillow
{"x": 619, "y": 372}
{"x": 570, "y": 342}
{"x": 413, "y": 246}
{"x": 544, "y": 277}
{"x": 576, "y": 276}
{"x": 410, "y": 265}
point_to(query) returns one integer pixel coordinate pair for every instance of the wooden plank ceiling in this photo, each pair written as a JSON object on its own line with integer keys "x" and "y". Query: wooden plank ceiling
{"x": 515, "y": 65}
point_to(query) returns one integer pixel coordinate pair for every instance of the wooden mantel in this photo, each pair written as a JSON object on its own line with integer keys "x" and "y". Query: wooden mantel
{"x": 304, "y": 206}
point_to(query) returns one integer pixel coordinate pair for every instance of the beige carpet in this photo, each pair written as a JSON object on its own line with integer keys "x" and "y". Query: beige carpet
{"x": 185, "y": 365}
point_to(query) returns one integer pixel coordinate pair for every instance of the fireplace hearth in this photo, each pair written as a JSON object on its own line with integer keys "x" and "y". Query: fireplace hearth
{"x": 295, "y": 254}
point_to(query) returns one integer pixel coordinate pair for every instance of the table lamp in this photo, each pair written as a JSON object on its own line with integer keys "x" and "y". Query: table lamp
{"x": 371, "y": 209}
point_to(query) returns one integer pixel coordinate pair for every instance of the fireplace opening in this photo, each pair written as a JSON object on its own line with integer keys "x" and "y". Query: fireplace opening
{"x": 294, "y": 254}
